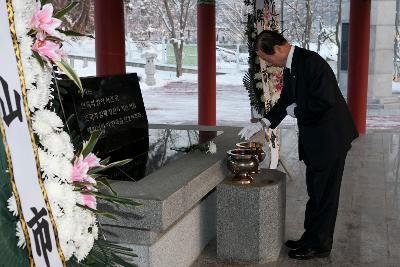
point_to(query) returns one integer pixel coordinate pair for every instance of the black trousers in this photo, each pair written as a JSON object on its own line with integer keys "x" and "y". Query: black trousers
{"x": 323, "y": 188}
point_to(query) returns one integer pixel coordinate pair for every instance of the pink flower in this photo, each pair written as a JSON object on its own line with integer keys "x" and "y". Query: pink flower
{"x": 81, "y": 168}
{"x": 47, "y": 49}
{"x": 89, "y": 200}
{"x": 267, "y": 15}
{"x": 92, "y": 161}
{"x": 278, "y": 76}
{"x": 278, "y": 87}
{"x": 43, "y": 20}
{"x": 79, "y": 171}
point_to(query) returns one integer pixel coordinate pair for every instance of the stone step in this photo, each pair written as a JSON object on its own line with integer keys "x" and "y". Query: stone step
{"x": 392, "y": 102}
{"x": 389, "y": 100}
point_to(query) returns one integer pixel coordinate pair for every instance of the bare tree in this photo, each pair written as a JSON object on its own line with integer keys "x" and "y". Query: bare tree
{"x": 294, "y": 22}
{"x": 231, "y": 16}
{"x": 325, "y": 33}
{"x": 175, "y": 15}
{"x": 308, "y": 25}
{"x": 142, "y": 20}
{"x": 80, "y": 18}
{"x": 300, "y": 19}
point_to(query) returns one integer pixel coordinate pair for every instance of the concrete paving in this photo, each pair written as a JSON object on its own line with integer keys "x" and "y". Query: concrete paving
{"x": 368, "y": 225}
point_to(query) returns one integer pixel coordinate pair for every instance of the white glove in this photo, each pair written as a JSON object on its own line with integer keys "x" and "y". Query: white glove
{"x": 290, "y": 110}
{"x": 255, "y": 114}
{"x": 254, "y": 128}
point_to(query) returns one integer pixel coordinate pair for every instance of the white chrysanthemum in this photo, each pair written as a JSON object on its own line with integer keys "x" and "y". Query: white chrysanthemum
{"x": 44, "y": 81}
{"x": 56, "y": 167}
{"x": 68, "y": 248}
{"x": 20, "y": 234}
{"x": 263, "y": 99}
{"x": 56, "y": 210}
{"x": 59, "y": 145}
{"x": 273, "y": 69}
{"x": 71, "y": 197}
{"x": 44, "y": 160}
{"x": 28, "y": 74}
{"x": 271, "y": 84}
{"x": 38, "y": 99}
{"x": 43, "y": 156}
{"x": 258, "y": 75}
{"x": 95, "y": 231}
{"x": 27, "y": 8}
{"x": 275, "y": 96}
{"x": 21, "y": 28}
{"x": 45, "y": 122}
{"x": 84, "y": 218}
{"x": 25, "y": 45}
{"x": 61, "y": 196}
{"x": 66, "y": 228}
{"x": 212, "y": 148}
{"x": 54, "y": 190}
{"x": 76, "y": 227}
{"x": 12, "y": 205}
{"x": 85, "y": 242}
{"x": 36, "y": 68}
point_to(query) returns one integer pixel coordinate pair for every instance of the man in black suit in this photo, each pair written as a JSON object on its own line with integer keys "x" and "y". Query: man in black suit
{"x": 326, "y": 130}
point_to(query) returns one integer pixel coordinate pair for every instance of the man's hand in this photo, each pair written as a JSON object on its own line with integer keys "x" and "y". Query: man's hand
{"x": 254, "y": 128}
{"x": 290, "y": 110}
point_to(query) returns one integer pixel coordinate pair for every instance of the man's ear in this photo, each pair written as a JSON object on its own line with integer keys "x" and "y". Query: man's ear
{"x": 278, "y": 49}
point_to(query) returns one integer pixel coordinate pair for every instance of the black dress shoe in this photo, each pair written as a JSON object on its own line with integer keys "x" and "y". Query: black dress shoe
{"x": 306, "y": 253}
{"x": 295, "y": 244}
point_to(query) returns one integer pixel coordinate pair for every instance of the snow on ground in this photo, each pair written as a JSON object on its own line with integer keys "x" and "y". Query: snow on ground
{"x": 174, "y": 100}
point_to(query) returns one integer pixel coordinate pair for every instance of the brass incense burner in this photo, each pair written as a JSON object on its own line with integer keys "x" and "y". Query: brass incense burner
{"x": 256, "y": 147}
{"x": 242, "y": 163}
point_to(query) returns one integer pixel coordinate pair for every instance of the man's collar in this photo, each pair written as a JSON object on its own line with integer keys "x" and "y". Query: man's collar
{"x": 290, "y": 57}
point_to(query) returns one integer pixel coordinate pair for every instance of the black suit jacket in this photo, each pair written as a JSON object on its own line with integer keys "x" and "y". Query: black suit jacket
{"x": 326, "y": 128}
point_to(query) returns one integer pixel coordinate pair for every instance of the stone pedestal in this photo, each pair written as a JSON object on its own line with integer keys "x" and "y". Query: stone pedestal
{"x": 251, "y": 218}
{"x": 150, "y": 68}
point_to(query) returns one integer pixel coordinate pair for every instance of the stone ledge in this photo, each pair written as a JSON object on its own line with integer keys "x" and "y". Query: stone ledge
{"x": 182, "y": 243}
{"x": 390, "y": 102}
{"x": 172, "y": 190}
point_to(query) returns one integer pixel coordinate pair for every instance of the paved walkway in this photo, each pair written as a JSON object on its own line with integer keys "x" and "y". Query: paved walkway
{"x": 368, "y": 224}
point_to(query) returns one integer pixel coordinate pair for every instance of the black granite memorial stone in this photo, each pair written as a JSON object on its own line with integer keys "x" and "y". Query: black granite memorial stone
{"x": 113, "y": 104}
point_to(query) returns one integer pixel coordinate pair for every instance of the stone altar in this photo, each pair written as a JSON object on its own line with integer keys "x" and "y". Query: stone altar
{"x": 177, "y": 219}
{"x": 251, "y": 218}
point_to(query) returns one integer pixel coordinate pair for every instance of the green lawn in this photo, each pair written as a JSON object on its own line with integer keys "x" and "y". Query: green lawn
{"x": 189, "y": 55}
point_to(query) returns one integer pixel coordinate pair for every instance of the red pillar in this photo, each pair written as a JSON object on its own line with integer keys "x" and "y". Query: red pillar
{"x": 206, "y": 54}
{"x": 110, "y": 37}
{"x": 357, "y": 85}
